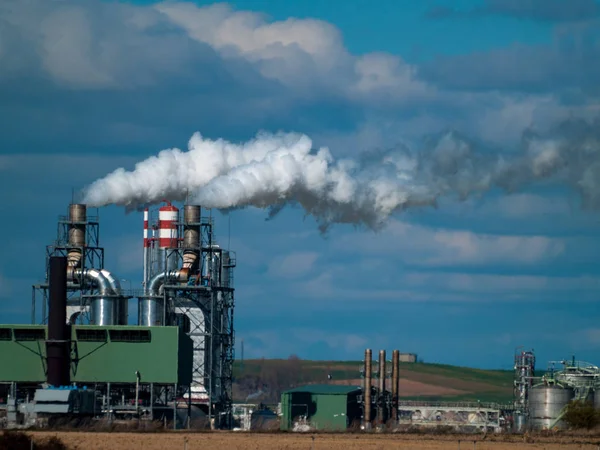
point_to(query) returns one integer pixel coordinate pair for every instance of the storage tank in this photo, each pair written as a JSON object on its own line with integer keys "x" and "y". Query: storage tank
{"x": 520, "y": 422}
{"x": 546, "y": 404}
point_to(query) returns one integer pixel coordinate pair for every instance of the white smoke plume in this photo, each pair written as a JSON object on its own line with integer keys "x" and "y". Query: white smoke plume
{"x": 275, "y": 170}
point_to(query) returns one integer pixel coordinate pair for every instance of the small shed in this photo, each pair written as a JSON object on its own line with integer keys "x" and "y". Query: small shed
{"x": 329, "y": 407}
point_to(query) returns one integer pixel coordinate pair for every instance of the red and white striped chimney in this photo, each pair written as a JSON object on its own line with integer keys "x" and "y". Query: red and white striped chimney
{"x": 168, "y": 218}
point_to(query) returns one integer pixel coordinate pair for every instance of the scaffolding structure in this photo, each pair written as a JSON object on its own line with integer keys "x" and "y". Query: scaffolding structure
{"x": 79, "y": 291}
{"x": 203, "y": 307}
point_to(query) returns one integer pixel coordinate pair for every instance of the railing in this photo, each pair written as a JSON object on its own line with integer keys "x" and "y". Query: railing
{"x": 472, "y": 405}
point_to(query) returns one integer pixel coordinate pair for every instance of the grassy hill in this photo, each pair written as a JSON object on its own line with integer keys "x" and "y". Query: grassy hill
{"x": 265, "y": 379}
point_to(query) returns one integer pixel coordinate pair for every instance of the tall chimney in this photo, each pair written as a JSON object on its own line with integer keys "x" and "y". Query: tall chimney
{"x": 381, "y": 406}
{"x": 191, "y": 236}
{"x": 367, "y": 389}
{"x": 58, "y": 343}
{"x": 395, "y": 382}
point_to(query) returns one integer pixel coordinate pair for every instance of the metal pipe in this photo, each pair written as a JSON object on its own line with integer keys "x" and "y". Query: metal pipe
{"x": 103, "y": 309}
{"x": 367, "y": 389}
{"x": 58, "y": 341}
{"x": 137, "y": 392}
{"x": 76, "y": 230}
{"x": 382, "y": 374}
{"x": 395, "y": 382}
{"x": 146, "y": 249}
{"x": 152, "y": 306}
{"x": 164, "y": 277}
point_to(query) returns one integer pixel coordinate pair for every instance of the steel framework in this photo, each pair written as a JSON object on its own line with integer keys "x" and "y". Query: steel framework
{"x": 80, "y": 292}
{"x": 204, "y": 308}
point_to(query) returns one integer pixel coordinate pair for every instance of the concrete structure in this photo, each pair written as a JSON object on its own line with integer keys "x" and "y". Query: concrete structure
{"x": 463, "y": 416}
{"x": 321, "y": 407}
{"x": 408, "y": 357}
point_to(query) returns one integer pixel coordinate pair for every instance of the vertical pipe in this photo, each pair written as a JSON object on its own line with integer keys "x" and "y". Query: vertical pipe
{"x": 175, "y": 406}
{"x": 58, "y": 341}
{"x": 395, "y": 383}
{"x": 367, "y": 389}
{"x": 146, "y": 246}
{"x": 151, "y": 401}
{"x": 381, "y": 403}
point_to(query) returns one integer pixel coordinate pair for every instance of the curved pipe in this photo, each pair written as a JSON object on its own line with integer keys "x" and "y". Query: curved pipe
{"x": 161, "y": 278}
{"x": 95, "y": 276}
{"x": 114, "y": 283}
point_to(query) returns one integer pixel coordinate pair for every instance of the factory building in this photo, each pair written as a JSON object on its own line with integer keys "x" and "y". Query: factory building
{"x": 408, "y": 357}
{"x": 324, "y": 406}
{"x": 173, "y": 361}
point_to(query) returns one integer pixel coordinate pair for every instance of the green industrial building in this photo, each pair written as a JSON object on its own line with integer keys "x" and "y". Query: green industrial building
{"x": 108, "y": 354}
{"x": 328, "y": 407}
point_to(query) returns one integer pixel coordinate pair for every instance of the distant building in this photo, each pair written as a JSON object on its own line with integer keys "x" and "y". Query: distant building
{"x": 408, "y": 357}
{"x": 328, "y": 407}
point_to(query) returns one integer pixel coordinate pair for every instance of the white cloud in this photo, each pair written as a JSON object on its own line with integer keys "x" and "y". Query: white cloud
{"x": 294, "y": 265}
{"x": 424, "y": 246}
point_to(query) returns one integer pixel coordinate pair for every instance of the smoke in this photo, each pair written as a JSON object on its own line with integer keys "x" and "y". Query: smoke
{"x": 272, "y": 171}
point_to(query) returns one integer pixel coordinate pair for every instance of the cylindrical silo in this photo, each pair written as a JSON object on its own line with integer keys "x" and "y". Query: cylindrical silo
{"x": 519, "y": 421}
{"x": 168, "y": 237}
{"x": 546, "y": 403}
{"x": 150, "y": 311}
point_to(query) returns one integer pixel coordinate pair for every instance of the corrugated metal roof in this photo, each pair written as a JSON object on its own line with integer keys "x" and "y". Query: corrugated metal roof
{"x": 332, "y": 389}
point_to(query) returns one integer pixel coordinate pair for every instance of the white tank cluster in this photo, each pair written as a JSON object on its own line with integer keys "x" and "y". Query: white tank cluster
{"x": 541, "y": 402}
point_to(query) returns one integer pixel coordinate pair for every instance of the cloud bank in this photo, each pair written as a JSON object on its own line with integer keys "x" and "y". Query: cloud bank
{"x": 274, "y": 170}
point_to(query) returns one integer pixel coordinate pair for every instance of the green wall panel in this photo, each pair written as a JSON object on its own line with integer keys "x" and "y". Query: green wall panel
{"x": 103, "y": 354}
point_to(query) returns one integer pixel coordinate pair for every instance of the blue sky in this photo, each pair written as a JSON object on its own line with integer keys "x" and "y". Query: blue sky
{"x": 87, "y": 87}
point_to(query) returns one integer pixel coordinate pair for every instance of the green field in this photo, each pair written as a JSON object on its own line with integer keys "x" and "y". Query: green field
{"x": 265, "y": 379}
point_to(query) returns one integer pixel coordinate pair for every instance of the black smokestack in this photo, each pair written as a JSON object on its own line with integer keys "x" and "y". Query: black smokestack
{"x": 58, "y": 343}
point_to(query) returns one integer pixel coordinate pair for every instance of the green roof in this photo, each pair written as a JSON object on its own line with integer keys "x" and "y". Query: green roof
{"x": 332, "y": 389}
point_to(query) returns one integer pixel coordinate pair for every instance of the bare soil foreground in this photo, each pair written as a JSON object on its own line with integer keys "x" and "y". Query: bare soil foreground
{"x": 250, "y": 441}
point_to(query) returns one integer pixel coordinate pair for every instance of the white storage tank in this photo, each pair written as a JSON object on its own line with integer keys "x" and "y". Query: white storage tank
{"x": 546, "y": 403}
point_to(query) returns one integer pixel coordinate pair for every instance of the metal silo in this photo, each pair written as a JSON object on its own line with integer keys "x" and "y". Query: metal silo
{"x": 546, "y": 404}
{"x": 597, "y": 399}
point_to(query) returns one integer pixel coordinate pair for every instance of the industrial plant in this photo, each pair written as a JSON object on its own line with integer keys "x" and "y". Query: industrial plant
{"x": 81, "y": 355}
{"x": 540, "y": 402}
